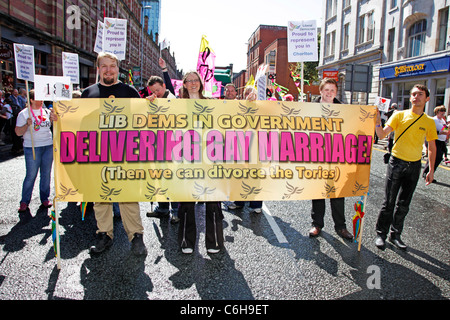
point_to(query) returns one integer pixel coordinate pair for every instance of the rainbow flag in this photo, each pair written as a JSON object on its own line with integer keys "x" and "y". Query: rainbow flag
{"x": 359, "y": 214}
{"x": 53, "y": 218}
{"x": 83, "y": 206}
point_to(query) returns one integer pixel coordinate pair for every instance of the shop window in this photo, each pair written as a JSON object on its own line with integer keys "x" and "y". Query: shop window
{"x": 439, "y": 94}
{"x": 403, "y": 93}
{"x": 7, "y": 70}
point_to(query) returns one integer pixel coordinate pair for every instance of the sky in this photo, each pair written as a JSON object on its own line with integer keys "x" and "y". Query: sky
{"x": 227, "y": 25}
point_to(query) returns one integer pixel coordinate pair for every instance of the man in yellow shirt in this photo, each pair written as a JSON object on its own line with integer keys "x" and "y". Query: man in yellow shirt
{"x": 404, "y": 167}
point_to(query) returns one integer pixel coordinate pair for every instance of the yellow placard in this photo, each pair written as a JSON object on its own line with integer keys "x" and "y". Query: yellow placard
{"x": 120, "y": 150}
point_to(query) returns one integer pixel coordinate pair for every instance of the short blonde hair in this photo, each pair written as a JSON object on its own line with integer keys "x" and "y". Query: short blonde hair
{"x": 248, "y": 90}
{"x": 327, "y": 81}
{"x": 109, "y": 55}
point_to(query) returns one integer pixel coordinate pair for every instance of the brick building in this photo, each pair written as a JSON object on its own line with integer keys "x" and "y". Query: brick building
{"x": 268, "y": 45}
{"x": 53, "y": 27}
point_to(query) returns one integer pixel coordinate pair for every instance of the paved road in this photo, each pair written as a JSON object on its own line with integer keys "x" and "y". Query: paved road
{"x": 268, "y": 256}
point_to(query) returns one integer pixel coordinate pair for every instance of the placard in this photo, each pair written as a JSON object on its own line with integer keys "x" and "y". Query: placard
{"x": 50, "y": 88}
{"x": 24, "y": 59}
{"x": 71, "y": 66}
{"x": 98, "y": 47}
{"x": 115, "y": 37}
{"x": 382, "y": 104}
{"x": 302, "y": 41}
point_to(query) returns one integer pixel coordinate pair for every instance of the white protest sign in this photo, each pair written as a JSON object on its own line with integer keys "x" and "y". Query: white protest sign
{"x": 98, "y": 47}
{"x": 50, "y": 88}
{"x": 24, "y": 59}
{"x": 302, "y": 41}
{"x": 71, "y": 67}
{"x": 115, "y": 36}
{"x": 261, "y": 71}
{"x": 382, "y": 103}
{"x": 261, "y": 87}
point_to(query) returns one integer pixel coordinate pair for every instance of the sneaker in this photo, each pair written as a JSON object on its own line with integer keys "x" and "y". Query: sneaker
{"x": 187, "y": 250}
{"x": 234, "y": 206}
{"x": 379, "y": 242}
{"x": 23, "y": 207}
{"x": 103, "y": 243}
{"x": 137, "y": 245}
{"x": 47, "y": 204}
{"x": 257, "y": 210}
{"x": 213, "y": 251}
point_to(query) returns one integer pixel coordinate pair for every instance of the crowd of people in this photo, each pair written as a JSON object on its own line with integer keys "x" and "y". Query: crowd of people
{"x": 403, "y": 169}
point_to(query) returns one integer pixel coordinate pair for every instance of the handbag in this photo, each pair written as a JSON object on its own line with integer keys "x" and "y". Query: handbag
{"x": 387, "y": 156}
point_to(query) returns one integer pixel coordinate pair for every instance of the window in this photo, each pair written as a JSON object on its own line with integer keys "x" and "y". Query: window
{"x": 330, "y": 42}
{"x": 370, "y": 26}
{"x": 331, "y": 8}
{"x": 416, "y": 38}
{"x": 346, "y": 36}
{"x": 439, "y": 95}
{"x": 443, "y": 26}
{"x": 393, "y": 4}
{"x": 361, "y": 29}
{"x": 391, "y": 44}
{"x": 346, "y": 3}
{"x": 366, "y": 27}
{"x": 403, "y": 93}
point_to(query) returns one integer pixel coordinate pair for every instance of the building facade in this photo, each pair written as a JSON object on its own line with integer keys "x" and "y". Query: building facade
{"x": 401, "y": 42}
{"x": 53, "y": 27}
{"x": 268, "y": 45}
{"x": 151, "y": 17}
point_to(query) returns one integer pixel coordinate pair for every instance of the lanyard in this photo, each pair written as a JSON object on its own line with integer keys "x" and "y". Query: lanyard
{"x": 37, "y": 122}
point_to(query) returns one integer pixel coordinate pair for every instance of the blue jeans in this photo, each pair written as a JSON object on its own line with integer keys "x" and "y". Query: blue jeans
{"x": 43, "y": 163}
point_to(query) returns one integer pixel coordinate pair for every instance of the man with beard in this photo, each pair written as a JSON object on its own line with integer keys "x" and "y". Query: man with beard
{"x": 110, "y": 87}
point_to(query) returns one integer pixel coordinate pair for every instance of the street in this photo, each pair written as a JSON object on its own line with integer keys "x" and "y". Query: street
{"x": 267, "y": 256}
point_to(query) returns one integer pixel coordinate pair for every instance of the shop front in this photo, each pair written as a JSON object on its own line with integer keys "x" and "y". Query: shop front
{"x": 433, "y": 71}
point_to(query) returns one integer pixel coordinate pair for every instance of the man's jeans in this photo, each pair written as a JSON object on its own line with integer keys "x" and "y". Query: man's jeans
{"x": 401, "y": 180}
{"x": 43, "y": 163}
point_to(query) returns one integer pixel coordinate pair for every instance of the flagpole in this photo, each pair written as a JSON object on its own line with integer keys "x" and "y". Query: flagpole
{"x": 58, "y": 251}
{"x": 302, "y": 82}
{"x": 55, "y": 173}
{"x": 362, "y": 222}
{"x": 29, "y": 115}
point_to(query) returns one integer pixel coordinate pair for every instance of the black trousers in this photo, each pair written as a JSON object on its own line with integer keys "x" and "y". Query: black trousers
{"x": 187, "y": 233}
{"x": 401, "y": 181}
{"x": 440, "y": 151}
{"x": 337, "y": 212}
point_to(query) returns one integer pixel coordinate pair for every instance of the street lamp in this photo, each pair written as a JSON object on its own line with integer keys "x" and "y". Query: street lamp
{"x": 142, "y": 42}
